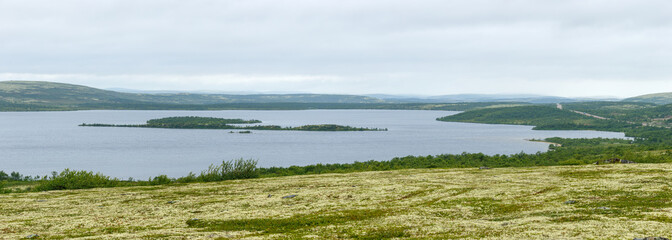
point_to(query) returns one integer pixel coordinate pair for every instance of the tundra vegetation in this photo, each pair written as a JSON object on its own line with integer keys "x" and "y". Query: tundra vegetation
{"x": 618, "y": 201}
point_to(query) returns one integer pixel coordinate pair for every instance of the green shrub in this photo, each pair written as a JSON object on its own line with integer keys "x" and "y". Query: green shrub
{"x": 76, "y": 180}
{"x": 191, "y": 177}
{"x": 3, "y": 189}
{"x": 160, "y": 180}
{"x": 232, "y": 169}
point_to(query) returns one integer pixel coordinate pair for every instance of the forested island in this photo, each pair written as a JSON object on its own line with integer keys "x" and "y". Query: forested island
{"x": 192, "y": 122}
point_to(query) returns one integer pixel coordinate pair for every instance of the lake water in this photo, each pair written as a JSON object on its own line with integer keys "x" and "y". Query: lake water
{"x": 37, "y": 143}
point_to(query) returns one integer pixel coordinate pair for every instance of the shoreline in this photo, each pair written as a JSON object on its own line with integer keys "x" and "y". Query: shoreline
{"x": 542, "y": 141}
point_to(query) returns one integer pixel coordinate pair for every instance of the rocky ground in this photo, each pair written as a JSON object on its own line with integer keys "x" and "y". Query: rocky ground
{"x": 616, "y": 201}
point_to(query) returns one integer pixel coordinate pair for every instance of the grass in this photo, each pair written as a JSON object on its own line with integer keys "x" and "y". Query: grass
{"x": 287, "y": 225}
{"x": 611, "y": 202}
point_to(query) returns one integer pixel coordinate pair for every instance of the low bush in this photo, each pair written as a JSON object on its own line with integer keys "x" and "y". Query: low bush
{"x": 69, "y": 179}
{"x": 76, "y": 180}
{"x": 160, "y": 180}
{"x": 228, "y": 170}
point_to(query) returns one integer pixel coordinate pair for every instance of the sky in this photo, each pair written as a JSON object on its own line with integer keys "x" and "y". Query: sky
{"x": 570, "y": 48}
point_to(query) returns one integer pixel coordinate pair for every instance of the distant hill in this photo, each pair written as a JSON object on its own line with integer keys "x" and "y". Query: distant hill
{"x": 53, "y": 96}
{"x": 503, "y": 98}
{"x": 49, "y": 96}
{"x": 527, "y": 98}
{"x": 657, "y": 98}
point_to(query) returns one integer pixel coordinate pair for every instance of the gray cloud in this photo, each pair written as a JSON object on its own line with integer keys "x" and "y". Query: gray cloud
{"x": 433, "y": 47}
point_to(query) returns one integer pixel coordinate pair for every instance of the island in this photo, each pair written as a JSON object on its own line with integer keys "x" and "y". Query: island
{"x": 192, "y": 122}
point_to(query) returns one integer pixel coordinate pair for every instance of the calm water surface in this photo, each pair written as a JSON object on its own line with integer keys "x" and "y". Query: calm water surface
{"x": 36, "y": 143}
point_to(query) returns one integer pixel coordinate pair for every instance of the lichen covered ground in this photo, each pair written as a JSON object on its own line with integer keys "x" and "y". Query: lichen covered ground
{"x": 577, "y": 202}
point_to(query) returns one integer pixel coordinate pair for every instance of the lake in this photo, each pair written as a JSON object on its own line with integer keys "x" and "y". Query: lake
{"x": 37, "y": 143}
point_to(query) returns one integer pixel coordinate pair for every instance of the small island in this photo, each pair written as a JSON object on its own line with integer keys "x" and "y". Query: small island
{"x": 192, "y": 122}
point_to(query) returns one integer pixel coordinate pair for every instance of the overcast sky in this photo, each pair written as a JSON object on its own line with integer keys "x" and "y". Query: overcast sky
{"x": 564, "y": 47}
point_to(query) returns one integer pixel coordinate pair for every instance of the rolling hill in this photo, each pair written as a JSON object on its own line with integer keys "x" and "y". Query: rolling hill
{"x": 53, "y": 96}
{"x": 657, "y": 98}
{"x": 455, "y": 98}
{"x": 48, "y": 93}
{"x": 50, "y": 96}
{"x": 542, "y": 116}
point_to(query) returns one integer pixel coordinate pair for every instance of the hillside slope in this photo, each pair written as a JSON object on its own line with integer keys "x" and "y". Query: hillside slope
{"x": 49, "y": 93}
{"x": 49, "y": 96}
{"x": 569, "y": 202}
{"x": 543, "y": 117}
{"x": 60, "y": 95}
{"x": 657, "y": 98}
